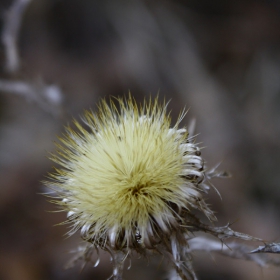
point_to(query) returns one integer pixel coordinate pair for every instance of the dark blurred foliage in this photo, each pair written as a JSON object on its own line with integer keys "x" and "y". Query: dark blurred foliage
{"x": 220, "y": 59}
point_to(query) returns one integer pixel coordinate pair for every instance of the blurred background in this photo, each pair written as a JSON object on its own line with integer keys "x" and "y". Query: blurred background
{"x": 219, "y": 59}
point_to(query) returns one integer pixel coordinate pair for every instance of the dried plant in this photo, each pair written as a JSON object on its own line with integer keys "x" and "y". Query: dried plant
{"x": 130, "y": 183}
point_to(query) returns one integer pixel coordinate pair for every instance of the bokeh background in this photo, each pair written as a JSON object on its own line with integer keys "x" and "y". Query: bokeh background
{"x": 219, "y": 59}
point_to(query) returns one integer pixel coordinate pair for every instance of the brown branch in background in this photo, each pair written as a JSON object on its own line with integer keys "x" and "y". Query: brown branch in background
{"x": 10, "y": 33}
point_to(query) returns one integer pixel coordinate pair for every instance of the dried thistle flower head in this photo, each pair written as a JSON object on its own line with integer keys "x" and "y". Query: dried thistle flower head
{"x": 130, "y": 182}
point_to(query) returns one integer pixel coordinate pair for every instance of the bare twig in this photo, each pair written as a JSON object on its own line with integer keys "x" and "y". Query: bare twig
{"x": 232, "y": 249}
{"x": 48, "y": 97}
{"x": 10, "y": 33}
{"x": 268, "y": 248}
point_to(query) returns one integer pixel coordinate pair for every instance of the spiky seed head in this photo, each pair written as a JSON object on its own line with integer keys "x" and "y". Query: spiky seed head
{"x": 129, "y": 179}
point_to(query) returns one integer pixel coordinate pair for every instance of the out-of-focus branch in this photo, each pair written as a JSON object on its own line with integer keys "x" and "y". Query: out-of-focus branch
{"x": 48, "y": 97}
{"x": 12, "y": 22}
{"x": 268, "y": 248}
{"x": 231, "y": 249}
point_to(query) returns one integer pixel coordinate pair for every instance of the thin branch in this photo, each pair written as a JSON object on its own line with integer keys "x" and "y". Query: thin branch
{"x": 232, "y": 249}
{"x": 48, "y": 97}
{"x": 12, "y": 22}
{"x": 268, "y": 248}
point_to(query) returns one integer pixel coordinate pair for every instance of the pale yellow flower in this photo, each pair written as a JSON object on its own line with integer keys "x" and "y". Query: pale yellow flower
{"x": 130, "y": 181}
